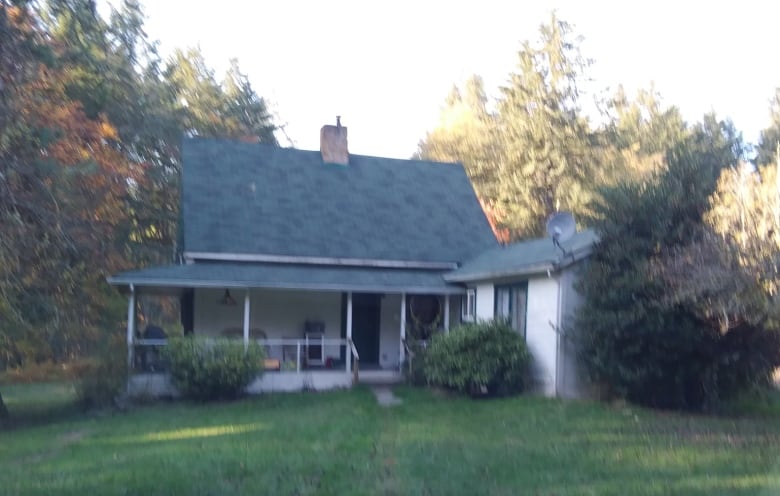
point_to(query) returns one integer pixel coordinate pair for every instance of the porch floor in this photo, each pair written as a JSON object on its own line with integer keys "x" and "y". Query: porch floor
{"x": 157, "y": 384}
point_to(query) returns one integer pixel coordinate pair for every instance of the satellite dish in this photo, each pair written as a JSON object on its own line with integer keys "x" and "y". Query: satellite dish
{"x": 561, "y": 226}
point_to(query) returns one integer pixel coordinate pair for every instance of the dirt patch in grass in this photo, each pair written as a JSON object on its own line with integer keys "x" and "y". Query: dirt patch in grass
{"x": 63, "y": 441}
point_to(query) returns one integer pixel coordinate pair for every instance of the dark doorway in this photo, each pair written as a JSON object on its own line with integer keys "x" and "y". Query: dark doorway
{"x": 366, "y": 312}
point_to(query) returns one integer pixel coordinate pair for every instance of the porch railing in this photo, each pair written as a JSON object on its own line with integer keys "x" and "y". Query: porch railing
{"x": 282, "y": 354}
{"x": 355, "y": 362}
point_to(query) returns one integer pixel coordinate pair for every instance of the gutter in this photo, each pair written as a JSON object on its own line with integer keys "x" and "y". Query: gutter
{"x": 119, "y": 281}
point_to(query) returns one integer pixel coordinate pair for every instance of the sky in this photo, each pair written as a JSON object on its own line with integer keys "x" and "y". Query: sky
{"x": 386, "y": 66}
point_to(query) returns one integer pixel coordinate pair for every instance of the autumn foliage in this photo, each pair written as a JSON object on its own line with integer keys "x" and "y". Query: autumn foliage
{"x": 90, "y": 124}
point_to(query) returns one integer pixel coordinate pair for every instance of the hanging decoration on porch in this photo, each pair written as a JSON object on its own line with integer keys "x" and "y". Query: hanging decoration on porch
{"x": 425, "y": 316}
{"x": 226, "y": 299}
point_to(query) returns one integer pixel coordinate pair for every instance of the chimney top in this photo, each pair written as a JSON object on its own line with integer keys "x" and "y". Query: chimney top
{"x": 333, "y": 143}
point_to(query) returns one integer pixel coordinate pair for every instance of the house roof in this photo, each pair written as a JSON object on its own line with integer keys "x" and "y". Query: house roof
{"x": 524, "y": 258}
{"x": 288, "y": 276}
{"x": 244, "y": 198}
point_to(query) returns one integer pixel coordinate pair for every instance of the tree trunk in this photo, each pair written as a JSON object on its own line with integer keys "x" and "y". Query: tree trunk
{"x": 3, "y": 411}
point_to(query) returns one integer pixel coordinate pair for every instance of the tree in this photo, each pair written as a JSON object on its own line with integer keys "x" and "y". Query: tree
{"x": 769, "y": 140}
{"x": 634, "y": 338}
{"x": 89, "y": 164}
{"x": 65, "y": 186}
{"x": 231, "y": 109}
{"x": 531, "y": 156}
{"x": 467, "y": 133}
{"x": 545, "y": 160}
{"x": 632, "y": 145}
{"x": 745, "y": 214}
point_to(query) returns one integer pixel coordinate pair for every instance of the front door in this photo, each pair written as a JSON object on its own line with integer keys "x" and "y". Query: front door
{"x": 365, "y": 326}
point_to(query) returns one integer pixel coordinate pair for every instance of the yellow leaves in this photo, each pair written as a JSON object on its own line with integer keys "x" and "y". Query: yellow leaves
{"x": 108, "y": 131}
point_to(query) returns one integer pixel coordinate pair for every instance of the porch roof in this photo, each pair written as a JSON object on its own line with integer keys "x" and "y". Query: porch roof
{"x": 524, "y": 258}
{"x": 289, "y": 276}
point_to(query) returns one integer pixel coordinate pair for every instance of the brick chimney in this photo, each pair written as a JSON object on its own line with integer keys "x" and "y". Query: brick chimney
{"x": 333, "y": 143}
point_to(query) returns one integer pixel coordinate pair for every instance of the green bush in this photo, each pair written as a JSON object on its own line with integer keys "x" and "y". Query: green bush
{"x": 103, "y": 378}
{"x": 484, "y": 358}
{"x": 207, "y": 370}
{"x": 414, "y": 365}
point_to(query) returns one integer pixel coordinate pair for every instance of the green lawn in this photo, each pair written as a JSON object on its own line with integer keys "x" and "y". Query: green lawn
{"x": 343, "y": 443}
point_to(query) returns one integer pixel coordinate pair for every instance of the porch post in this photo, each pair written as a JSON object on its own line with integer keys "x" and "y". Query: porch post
{"x": 447, "y": 313}
{"x": 348, "y": 352}
{"x": 402, "y": 354}
{"x": 246, "y": 319}
{"x": 130, "y": 328}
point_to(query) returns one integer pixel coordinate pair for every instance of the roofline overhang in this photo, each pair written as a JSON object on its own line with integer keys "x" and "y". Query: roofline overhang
{"x": 191, "y": 256}
{"x": 546, "y": 267}
{"x": 178, "y": 283}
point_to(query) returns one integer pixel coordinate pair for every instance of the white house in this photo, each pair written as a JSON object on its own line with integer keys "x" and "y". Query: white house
{"x": 331, "y": 260}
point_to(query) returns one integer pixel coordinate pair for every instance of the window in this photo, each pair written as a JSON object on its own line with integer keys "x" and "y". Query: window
{"x": 468, "y": 306}
{"x": 511, "y": 305}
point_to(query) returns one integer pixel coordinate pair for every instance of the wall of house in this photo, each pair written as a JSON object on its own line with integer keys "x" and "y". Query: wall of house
{"x": 485, "y": 294}
{"x": 278, "y": 313}
{"x": 541, "y": 323}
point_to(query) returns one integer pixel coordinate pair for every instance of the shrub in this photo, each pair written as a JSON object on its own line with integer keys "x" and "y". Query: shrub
{"x": 103, "y": 378}
{"x": 485, "y": 358}
{"x": 414, "y": 365}
{"x": 208, "y": 370}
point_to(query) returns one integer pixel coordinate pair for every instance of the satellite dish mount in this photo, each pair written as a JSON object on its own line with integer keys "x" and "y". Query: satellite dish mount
{"x": 561, "y": 227}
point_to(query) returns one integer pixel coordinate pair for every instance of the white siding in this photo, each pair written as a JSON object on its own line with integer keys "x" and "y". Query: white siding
{"x": 541, "y": 325}
{"x": 280, "y": 314}
{"x": 485, "y": 306}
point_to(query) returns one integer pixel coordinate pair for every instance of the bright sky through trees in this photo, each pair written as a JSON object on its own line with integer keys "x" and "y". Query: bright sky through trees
{"x": 387, "y": 66}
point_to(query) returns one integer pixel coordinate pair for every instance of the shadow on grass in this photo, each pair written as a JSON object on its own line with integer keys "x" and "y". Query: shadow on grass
{"x": 31, "y": 405}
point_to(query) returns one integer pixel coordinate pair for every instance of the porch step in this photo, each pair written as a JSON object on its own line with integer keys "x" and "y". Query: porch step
{"x": 379, "y": 377}
{"x": 385, "y": 397}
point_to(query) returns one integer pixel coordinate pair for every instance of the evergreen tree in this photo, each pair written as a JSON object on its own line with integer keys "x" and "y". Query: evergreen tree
{"x": 545, "y": 161}
{"x": 636, "y": 336}
{"x": 769, "y": 140}
{"x": 532, "y": 155}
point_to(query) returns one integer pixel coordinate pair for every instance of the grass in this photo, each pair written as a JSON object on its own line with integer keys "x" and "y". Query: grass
{"x": 39, "y": 403}
{"x": 344, "y": 443}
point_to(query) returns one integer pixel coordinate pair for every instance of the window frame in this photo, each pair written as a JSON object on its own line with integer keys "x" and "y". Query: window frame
{"x": 468, "y": 306}
{"x": 512, "y": 288}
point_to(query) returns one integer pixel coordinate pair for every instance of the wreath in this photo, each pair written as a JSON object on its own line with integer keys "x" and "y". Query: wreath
{"x": 425, "y": 316}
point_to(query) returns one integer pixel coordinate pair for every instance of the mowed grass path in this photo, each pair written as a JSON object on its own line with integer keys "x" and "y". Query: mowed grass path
{"x": 344, "y": 443}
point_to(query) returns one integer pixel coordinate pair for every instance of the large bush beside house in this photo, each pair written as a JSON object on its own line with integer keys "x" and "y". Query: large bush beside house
{"x": 675, "y": 314}
{"x": 207, "y": 369}
{"x": 483, "y": 358}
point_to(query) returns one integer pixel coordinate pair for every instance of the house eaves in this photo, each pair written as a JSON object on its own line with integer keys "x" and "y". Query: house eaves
{"x": 288, "y": 277}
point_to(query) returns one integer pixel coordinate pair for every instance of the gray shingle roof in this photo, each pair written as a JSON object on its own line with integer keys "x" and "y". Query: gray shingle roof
{"x": 523, "y": 258}
{"x": 288, "y": 276}
{"x": 260, "y": 199}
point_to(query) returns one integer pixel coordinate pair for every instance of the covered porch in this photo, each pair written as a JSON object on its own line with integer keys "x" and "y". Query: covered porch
{"x": 316, "y": 334}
